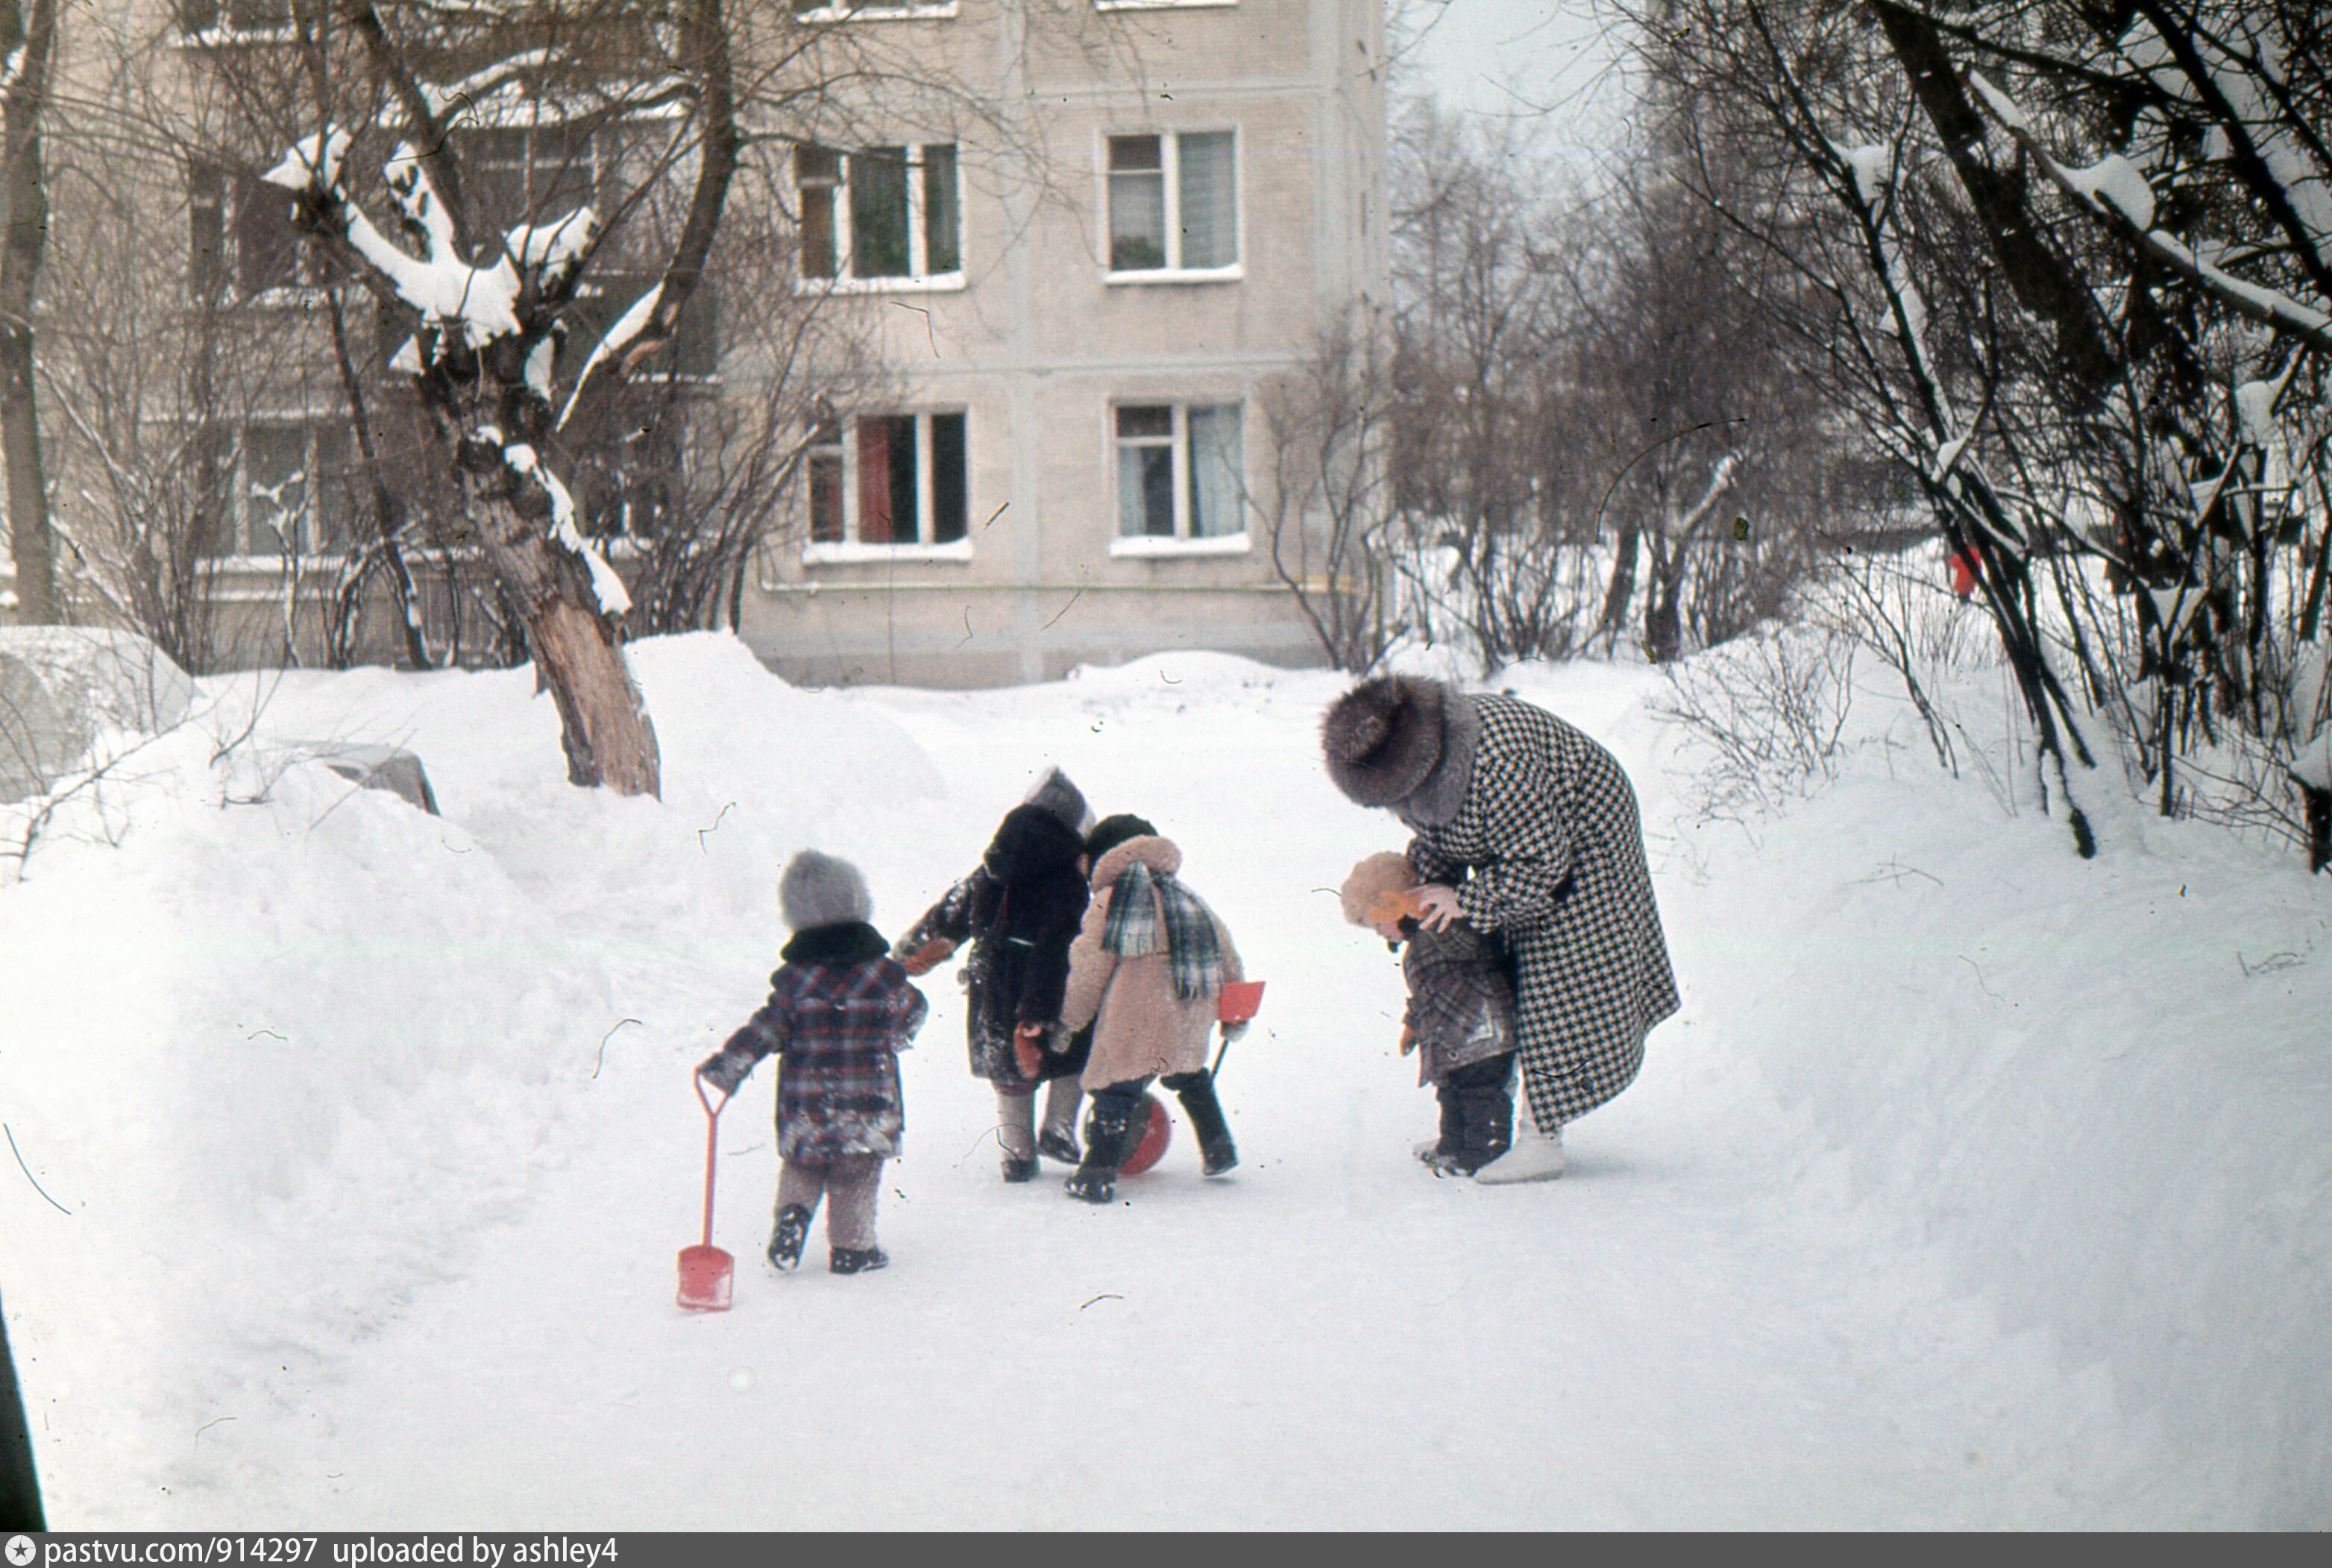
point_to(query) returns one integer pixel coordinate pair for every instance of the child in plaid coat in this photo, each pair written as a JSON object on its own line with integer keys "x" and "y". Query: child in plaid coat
{"x": 1460, "y": 1018}
{"x": 840, "y": 1012}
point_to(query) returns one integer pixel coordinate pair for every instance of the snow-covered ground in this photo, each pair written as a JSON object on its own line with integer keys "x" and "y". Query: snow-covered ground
{"x": 1975, "y": 1186}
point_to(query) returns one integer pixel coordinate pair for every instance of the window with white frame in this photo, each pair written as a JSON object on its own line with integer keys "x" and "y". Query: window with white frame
{"x": 269, "y": 19}
{"x": 872, "y": 10}
{"x": 1174, "y": 202}
{"x": 289, "y": 487}
{"x": 883, "y": 216}
{"x": 1181, "y": 471}
{"x": 889, "y": 479}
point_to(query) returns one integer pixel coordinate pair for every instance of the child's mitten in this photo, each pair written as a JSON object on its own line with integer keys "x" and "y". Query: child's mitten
{"x": 725, "y": 1068}
{"x": 1408, "y": 1038}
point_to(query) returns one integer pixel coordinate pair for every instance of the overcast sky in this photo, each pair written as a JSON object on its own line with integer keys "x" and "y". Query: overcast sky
{"x": 1550, "y": 64}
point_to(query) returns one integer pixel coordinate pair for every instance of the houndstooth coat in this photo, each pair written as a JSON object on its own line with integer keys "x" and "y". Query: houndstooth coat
{"x": 1546, "y": 850}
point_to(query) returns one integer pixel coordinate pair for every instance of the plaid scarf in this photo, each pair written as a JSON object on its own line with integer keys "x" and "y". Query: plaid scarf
{"x": 1150, "y": 912}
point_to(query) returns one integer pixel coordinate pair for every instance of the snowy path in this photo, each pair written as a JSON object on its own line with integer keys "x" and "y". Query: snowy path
{"x": 1687, "y": 1331}
{"x": 359, "y": 1186}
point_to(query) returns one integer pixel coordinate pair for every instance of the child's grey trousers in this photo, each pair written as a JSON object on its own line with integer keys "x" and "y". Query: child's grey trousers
{"x": 850, "y": 1187}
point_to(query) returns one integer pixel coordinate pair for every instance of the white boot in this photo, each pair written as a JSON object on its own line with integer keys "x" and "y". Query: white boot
{"x": 1535, "y": 1156}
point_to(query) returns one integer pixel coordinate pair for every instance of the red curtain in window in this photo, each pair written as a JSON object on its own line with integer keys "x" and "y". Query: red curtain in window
{"x": 875, "y": 482}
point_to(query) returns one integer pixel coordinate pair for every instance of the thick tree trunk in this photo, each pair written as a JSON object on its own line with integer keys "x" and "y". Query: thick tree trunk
{"x": 23, "y": 203}
{"x": 603, "y": 724}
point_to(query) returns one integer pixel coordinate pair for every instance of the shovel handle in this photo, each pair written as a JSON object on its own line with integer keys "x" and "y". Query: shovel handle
{"x": 711, "y": 1146}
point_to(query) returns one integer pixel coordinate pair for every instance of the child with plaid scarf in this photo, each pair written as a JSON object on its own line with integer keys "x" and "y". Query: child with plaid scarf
{"x": 1148, "y": 965}
{"x": 1460, "y": 1018}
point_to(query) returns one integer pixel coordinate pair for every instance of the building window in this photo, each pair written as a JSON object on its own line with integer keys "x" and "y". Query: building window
{"x": 889, "y": 479}
{"x": 265, "y": 18}
{"x": 886, "y": 216}
{"x": 1181, "y": 471}
{"x": 600, "y": 300}
{"x": 627, "y": 483}
{"x": 872, "y": 10}
{"x": 1173, "y": 203}
{"x": 291, "y": 488}
{"x": 243, "y": 240}
{"x": 529, "y": 174}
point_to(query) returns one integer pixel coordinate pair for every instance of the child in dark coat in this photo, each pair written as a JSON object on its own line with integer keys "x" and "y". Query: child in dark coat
{"x": 1460, "y": 1018}
{"x": 1020, "y": 909}
{"x": 840, "y": 1012}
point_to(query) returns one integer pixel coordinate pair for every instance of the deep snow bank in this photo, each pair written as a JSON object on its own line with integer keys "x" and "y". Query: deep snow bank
{"x": 279, "y": 1047}
{"x": 2104, "y": 1087}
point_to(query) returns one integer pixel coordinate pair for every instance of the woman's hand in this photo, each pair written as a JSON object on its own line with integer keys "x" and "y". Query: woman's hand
{"x": 1436, "y": 906}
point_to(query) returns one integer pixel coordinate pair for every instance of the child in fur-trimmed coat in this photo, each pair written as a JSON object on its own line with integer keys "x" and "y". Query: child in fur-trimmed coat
{"x": 1146, "y": 972}
{"x": 1460, "y": 1018}
{"x": 840, "y": 1012}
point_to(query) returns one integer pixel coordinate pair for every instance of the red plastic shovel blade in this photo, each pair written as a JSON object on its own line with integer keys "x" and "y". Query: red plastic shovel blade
{"x": 1157, "y": 1132}
{"x": 704, "y": 1274}
{"x": 1240, "y": 1000}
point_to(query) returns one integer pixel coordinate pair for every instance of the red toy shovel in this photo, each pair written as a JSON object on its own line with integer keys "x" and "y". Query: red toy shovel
{"x": 705, "y": 1269}
{"x": 1239, "y": 1002}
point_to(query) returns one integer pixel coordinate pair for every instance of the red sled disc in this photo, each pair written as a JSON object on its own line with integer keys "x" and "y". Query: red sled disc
{"x": 1157, "y": 1132}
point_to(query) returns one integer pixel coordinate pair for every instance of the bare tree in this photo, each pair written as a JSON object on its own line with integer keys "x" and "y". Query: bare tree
{"x": 28, "y": 37}
{"x": 1332, "y": 510}
{"x": 2065, "y": 264}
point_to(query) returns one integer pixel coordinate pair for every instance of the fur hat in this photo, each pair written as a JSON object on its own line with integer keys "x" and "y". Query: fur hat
{"x": 1372, "y": 891}
{"x": 819, "y": 889}
{"x": 1382, "y": 738}
{"x": 1057, "y": 795}
{"x": 1112, "y": 831}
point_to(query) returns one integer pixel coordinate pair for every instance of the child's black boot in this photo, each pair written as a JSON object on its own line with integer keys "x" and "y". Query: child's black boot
{"x": 1489, "y": 1127}
{"x": 1217, "y": 1152}
{"x": 857, "y": 1260}
{"x": 786, "y": 1240}
{"x": 1442, "y": 1153}
{"x": 1109, "y": 1139}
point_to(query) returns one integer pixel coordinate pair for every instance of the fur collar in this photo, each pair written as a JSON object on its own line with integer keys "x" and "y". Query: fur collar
{"x": 852, "y": 941}
{"x": 1435, "y": 802}
{"x": 1158, "y": 854}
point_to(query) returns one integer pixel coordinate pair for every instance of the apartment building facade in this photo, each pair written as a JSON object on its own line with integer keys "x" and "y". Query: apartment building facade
{"x": 1083, "y": 325}
{"x": 1081, "y": 276}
